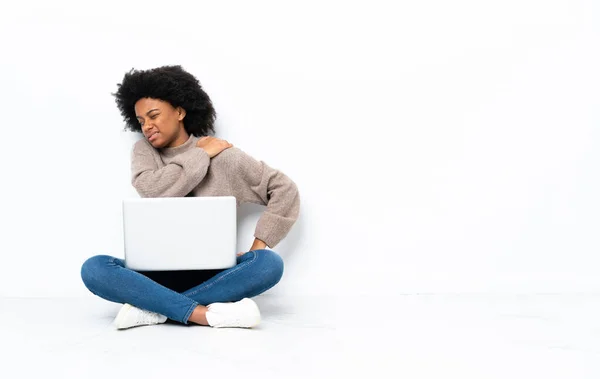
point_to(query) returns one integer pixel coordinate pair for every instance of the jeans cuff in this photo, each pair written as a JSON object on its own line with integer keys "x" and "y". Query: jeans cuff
{"x": 189, "y": 312}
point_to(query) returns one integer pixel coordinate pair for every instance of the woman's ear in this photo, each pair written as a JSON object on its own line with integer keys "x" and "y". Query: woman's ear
{"x": 181, "y": 113}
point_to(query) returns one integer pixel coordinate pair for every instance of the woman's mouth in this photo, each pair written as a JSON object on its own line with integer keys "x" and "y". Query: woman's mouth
{"x": 153, "y": 137}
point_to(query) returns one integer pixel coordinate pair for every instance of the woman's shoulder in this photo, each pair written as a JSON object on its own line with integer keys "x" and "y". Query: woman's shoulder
{"x": 230, "y": 156}
{"x": 235, "y": 160}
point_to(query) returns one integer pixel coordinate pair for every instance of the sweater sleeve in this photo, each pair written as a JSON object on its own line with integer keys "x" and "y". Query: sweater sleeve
{"x": 176, "y": 179}
{"x": 255, "y": 182}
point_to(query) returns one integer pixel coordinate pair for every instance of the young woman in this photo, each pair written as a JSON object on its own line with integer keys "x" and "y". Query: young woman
{"x": 177, "y": 157}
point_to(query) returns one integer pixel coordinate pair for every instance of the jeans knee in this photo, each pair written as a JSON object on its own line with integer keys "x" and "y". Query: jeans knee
{"x": 271, "y": 267}
{"x": 92, "y": 270}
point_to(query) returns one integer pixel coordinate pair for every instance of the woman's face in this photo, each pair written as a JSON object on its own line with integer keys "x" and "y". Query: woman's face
{"x": 161, "y": 123}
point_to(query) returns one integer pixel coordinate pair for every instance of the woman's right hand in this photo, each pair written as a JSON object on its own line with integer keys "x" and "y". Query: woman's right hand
{"x": 212, "y": 145}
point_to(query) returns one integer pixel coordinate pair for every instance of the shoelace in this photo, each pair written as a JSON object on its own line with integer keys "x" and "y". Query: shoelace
{"x": 146, "y": 317}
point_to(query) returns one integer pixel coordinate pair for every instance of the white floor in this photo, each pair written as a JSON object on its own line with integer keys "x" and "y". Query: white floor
{"x": 409, "y": 336}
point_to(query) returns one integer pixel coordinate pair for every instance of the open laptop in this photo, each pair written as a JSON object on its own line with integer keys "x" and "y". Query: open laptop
{"x": 180, "y": 233}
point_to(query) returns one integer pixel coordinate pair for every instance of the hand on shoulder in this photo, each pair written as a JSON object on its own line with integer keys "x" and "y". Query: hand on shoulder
{"x": 212, "y": 145}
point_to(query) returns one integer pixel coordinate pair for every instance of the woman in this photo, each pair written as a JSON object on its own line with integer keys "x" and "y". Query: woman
{"x": 177, "y": 157}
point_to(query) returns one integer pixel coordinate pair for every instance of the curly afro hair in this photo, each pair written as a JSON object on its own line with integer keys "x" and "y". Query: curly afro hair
{"x": 168, "y": 83}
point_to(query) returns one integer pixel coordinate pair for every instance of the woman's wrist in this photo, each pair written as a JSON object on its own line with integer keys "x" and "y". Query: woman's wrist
{"x": 258, "y": 244}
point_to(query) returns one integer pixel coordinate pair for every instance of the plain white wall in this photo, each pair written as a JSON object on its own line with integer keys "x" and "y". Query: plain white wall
{"x": 438, "y": 146}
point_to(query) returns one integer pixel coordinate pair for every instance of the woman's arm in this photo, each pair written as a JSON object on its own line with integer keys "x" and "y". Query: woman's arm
{"x": 176, "y": 179}
{"x": 255, "y": 182}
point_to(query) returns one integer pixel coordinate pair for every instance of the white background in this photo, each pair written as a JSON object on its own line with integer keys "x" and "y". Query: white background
{"x": 438, "y": 146}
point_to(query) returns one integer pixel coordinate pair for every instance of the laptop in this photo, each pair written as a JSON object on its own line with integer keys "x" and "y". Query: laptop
{"x": 180, "y": 233}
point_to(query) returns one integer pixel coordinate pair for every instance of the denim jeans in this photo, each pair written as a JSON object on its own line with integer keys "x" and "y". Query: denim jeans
{"x": 255, "y": 272}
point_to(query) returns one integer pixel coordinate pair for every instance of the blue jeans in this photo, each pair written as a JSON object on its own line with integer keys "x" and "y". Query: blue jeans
{"x": 255, "y": 272}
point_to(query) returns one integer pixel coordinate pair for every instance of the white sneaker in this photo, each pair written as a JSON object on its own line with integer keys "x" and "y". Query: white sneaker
{"x": 130, "y": 316}
{"x": 241, "y": 314}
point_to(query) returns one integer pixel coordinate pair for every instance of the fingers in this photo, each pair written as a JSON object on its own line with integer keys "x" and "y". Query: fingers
{"x": 218, "y": 140}
{"x": 213, "y": 145}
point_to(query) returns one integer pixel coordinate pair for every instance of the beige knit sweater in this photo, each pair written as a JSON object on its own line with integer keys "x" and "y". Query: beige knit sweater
{"x": 187, "y": 170}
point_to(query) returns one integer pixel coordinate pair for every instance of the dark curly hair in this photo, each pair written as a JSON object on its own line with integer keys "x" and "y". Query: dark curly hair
{"x": 168, "y": 83}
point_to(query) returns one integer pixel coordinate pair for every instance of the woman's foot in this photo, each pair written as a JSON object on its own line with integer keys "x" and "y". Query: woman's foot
{"x": 130, "y": 316}
{"x": 241, "y": 314}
